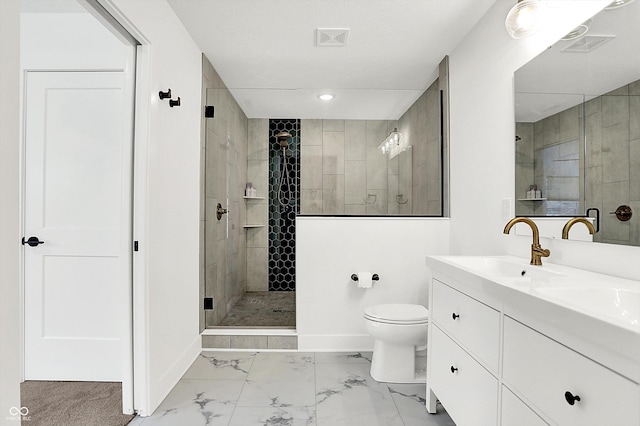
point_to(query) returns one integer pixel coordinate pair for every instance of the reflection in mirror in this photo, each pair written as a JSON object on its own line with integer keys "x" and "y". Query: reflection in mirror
{"x": 578, "y": 126}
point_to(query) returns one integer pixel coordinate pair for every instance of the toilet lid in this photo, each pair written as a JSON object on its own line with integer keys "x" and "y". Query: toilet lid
{"x": 398, "y": 313}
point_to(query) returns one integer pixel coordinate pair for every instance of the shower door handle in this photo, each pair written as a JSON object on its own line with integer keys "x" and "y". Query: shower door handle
{"x": 220, "y": 211}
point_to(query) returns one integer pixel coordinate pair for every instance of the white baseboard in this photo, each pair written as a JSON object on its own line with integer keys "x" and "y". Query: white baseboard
{"x": 160, "y": 390}
{"x": 335, "y": 343}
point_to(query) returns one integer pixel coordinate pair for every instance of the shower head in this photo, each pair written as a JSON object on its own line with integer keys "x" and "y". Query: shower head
{"x": 282, "y": 138}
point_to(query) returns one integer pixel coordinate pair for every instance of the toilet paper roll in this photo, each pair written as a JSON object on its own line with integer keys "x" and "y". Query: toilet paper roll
{"x": 365, "y": 279}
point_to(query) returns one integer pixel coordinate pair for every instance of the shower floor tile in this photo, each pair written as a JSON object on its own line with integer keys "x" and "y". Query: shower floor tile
{"x": 263, "y": 309}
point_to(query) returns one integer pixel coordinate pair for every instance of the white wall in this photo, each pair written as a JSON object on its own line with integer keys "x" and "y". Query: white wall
{"x": 482, "y": 141}
{"x": 167, "y": 199}
{"x": 329, "y": 250}
{"x": 51, "y": 41}
{"x": 9, "y": 210}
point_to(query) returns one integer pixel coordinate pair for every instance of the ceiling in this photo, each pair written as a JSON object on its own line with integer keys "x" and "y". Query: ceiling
{"x": 557, "y": 80}
{"x": 265, "y": 52}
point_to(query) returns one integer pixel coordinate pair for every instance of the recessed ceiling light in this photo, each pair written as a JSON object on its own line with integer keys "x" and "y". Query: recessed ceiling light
{"x": 326, "y": 97}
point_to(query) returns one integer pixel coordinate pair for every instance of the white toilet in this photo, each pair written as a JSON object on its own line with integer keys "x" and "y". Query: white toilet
{"x": 399, "y": 330}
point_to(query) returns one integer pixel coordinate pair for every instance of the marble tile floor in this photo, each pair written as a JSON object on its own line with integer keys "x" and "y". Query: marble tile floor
{"x": 263, "y": 309}
{"x": 290, "y": 389}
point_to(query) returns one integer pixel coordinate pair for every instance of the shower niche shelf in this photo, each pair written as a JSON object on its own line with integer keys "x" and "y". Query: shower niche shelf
{"x": 532, "y": 199}
{"x": 255, "y": 225}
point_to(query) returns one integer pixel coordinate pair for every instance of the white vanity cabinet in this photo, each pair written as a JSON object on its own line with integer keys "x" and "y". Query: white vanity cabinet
{"x": 464, "y": 355}
{"x": 474, "y": 325}
{"x": 567, "y": 387}
{"x": 515, "y": 412}
{"x": 463, "y": 386}
{"x": 499, "y": 356}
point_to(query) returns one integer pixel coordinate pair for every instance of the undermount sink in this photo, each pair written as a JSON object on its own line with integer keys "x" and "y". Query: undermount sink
{"x": 621, "y": 303}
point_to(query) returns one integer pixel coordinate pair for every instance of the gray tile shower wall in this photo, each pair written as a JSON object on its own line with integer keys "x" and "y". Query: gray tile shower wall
{"x": 342, "y": 171}
{"x": 223, "y": 247}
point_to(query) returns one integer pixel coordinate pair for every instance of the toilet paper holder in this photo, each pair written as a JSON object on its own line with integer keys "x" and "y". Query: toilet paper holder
{"x": 374, "y": 277}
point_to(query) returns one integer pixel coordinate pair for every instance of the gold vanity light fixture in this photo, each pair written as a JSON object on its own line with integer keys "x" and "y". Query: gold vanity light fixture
{"x": 537, "y": 252}
{"x": 571, "y": 222}
{"x": 525, "y": 18}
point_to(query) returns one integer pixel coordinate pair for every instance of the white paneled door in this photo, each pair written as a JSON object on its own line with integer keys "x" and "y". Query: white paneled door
{"x": 77, "y": 203}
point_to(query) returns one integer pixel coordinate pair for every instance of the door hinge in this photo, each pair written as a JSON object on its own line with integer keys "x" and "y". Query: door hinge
{"x": 135, "y": 246}
{"x": 208, "y": 303}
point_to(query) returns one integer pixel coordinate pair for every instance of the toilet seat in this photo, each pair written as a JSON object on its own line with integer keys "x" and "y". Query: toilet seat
{"x": 397, "y": 313}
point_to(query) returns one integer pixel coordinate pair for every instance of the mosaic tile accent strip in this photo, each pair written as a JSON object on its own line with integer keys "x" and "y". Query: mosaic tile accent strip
{"x": 284, "y": 204}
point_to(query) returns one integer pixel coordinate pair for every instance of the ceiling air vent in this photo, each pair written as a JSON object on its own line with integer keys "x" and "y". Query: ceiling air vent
{"x": 331, "y": 37}
{"x": 588, "y": 43}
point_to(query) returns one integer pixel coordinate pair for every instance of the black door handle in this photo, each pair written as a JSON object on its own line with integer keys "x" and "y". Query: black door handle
{"x": 32, "y": 241}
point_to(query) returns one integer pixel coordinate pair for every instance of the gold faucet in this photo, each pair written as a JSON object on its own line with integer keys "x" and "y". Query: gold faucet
{"x": 568, "y": 225}
{"x": 537, "y": 252}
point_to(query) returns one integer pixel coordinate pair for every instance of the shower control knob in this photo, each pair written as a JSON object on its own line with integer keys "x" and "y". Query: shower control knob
{"x": 623, "y": 213}
{"x": 455, "y": 316}
{"x": 220, "y": 211}
{"x": 453, "y": 369}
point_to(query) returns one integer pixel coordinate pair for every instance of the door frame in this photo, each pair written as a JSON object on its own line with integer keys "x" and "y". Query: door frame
{"x": 140, "y": 389}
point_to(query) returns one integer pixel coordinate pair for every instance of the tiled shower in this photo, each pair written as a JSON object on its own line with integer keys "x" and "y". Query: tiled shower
{"x": 333, "y": 167}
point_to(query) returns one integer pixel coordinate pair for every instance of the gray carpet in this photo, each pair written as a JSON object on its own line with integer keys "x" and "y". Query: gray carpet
{"x": 73, "y": 403}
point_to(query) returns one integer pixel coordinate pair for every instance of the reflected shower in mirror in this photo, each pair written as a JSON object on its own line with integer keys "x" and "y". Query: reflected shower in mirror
{"x": 578, "y": 126}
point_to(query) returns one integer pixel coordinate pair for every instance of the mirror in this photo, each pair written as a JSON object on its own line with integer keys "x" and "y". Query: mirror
{"x": 578, "y": 126}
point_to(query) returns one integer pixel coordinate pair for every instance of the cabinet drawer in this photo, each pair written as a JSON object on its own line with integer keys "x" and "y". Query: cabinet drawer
{"x": 470, "y": 393}
{"x": 516, "y": 413}
{"x": 475, "y": 325}
{"x": 548, "y": 374}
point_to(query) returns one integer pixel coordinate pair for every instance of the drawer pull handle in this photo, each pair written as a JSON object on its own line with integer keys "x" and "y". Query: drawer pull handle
{"x": 571, "y": 399}
{"x": 454, "y": 369}
{"x": 454, "y": 316}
